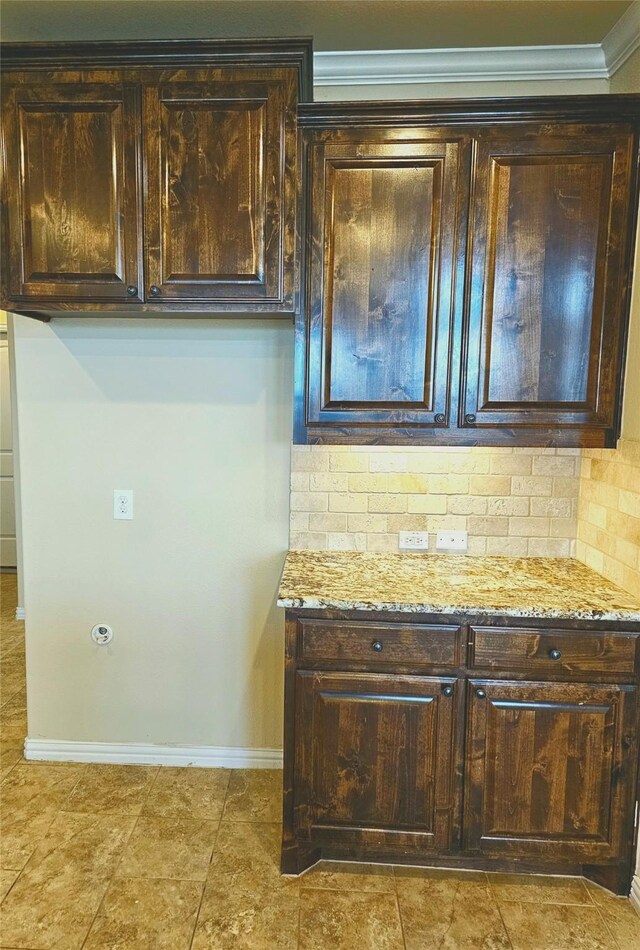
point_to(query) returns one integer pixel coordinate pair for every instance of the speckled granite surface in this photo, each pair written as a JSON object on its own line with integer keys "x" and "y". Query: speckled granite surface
{"x": 445, "y": 584}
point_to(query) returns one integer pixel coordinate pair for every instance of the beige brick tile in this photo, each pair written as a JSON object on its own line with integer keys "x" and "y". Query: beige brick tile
{"x": 627, "y": 553}
{"x": 563, "y": 528}
{"x": 594, "y": 559}
{"x": 488, "y": 526}
{"x": 467, "y": 505}
{"x": 507, "y": 547}
{"x": 613, "y": 570}
{"x": 299, "y": 481}
{"x": 309, "y": 501}
{"x": 630, "y": 451}
{"x": 345, "y": 501}
{"x": 549, "y": 547}
{"x": 477, "y": 546}
{"x": 629, "y": 502}
{"x": 596, "y": 514}
{"x": 585, "y": 468}
{"x": 508, "y": 506}
{"x": 555, "y": 465}
{"x": 450, "y": 484}
{"x": 531, "y": 485}
{"x": 388, "y": 462}
{"x": 328, "y": 481}
{"x": 551, "y": 507}
{"x": 470, "y": 465}
{"x": 490, "y": 485}
{"x": 367, "y": 523}
{"x": 307, "y": 541}
{"x": 431, "y": 463}
{"x": 448, "y": 522}
{"x": 383, "y": 543}
{"x": 529, "y": 527}
{"x": 396, "y": 523}
{"x": 388, "y": 503}
{"x": 511, "y": 465}
{"x": 565, "y": 487}
{"x": 373, "y": 483}
{"x": 299, "y": 521}
{"x": 346, "y": 542}
{"x": 327, "y": 521}
{"x": 407, "y": 484}
{"x": 308, "y": 461}
{"x": 427, "y": 504}
{"x": 348, "y": 462}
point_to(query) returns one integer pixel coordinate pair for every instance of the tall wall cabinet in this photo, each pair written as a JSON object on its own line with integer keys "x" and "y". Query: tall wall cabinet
{"x": 152, "y": 176}
{"x": 468, "y": 270}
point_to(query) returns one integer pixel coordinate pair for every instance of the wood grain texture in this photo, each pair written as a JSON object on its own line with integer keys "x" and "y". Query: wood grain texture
{"x": 549, "y": 769}
{"x": 75, "y": 232}
{"x": 377, "y": 645}
{"x": 549, "y": 774}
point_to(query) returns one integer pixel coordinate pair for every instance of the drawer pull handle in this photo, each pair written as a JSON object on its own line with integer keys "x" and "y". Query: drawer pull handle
{"x": 555, "y": 654}
{"x": 378, "y": 646}
{"x": 470, "y": 419}
{"x": 447, "y": 690}
{"x": 480, "y": 693}
{"x": 154, "y": 290}
{"x": 440, "y": 418}
{"x": 131, "y": 290}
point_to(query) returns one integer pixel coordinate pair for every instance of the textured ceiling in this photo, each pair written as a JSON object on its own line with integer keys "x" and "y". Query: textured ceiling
{"x": 334, "y": 24}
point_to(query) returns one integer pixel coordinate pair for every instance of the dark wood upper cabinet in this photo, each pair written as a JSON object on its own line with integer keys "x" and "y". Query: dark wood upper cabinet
{"x": 547, "y": 275}
{"x": 192, "y": 144}
{"x": 468, "y": 271}
{"x": 73, "y": 204}
{"x": 384, "y": 239}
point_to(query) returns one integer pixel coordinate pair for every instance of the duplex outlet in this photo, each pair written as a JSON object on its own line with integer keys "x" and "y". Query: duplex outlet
{"x": 414, "y": 541}
{"x": 123, "y": 504}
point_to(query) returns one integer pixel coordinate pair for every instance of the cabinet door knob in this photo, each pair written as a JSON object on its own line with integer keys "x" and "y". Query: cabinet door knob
{"x": 447, "y": 690}
{"x": 439, "y": 418}
{"x": 378, "y": 646}
{"x": 480, "y": 693}
{"x": 470, "y": 418}
{"x": 154, "y": 291}
{"x": 131, "y": 290}
{"x": 555, "y": 654}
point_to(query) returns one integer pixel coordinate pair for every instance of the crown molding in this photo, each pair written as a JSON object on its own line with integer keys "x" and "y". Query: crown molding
{"x": 490, "y": 64}
{"x": 623, "y": 39}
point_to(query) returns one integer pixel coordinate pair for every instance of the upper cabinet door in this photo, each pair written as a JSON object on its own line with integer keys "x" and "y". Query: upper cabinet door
{"x": 220, "y": 189}
{"x": 386, "y": 224}
{"x": 74, "y": 219}
{"x": 550, "y": 230}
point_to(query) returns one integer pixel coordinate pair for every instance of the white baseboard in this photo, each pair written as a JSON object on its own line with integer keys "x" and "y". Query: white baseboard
{"x": 20, "y": 613}
{"x": 635, "y": 891}
{"x": 125, "y": 753}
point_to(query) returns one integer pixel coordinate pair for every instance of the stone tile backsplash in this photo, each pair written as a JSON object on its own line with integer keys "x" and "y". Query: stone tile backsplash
{"x": 518, "y": 502}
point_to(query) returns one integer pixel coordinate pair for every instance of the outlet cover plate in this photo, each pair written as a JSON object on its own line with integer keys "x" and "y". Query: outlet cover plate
{"x": 414, "y": 541}
{"x": 452, "y": 541}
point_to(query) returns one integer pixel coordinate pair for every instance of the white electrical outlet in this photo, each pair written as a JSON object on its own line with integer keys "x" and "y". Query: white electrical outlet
{"x": 123, "y": 504}
{"x": 414, "y": 541}
{"x": 451, "y": 541}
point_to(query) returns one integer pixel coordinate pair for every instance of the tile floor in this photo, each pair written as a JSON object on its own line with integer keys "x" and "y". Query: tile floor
{"x": 138, "y": 858}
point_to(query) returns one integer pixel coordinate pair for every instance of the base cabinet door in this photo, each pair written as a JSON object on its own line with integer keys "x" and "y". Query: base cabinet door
{"x": 375, "y": 761}
{"x": 550, "y": 770}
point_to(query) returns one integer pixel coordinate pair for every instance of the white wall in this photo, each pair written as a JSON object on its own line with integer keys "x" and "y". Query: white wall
{"x": 195, "y": 417}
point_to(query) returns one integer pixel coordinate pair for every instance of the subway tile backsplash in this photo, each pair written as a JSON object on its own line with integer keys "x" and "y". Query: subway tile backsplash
{"x": 520, "y": 502}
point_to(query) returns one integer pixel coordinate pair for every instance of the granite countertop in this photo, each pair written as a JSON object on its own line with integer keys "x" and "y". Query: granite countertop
{"x": 452, "y": 584}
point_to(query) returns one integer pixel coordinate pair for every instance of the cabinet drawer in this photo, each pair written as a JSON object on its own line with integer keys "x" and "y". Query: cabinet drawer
{"x": 378, "y": 646}
{"x": 531, "y": 650}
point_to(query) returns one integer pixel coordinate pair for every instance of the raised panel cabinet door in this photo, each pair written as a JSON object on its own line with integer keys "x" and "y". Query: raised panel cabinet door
{"x": 220, "y": 194}
{"x": 375, "y": 759}
{"x": 73, "y": 206}
{"x": 386, "y": 221}
{"x": 551, "y": 770}
{"x": 551, "y": 229}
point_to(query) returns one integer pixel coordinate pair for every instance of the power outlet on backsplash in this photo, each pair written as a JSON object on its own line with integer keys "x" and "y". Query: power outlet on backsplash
{"x": 413, "y": 541}
{"x": 451, "y": 541}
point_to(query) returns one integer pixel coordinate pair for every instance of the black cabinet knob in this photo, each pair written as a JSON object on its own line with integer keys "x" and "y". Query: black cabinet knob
{"x": 470, "y": 418}
{"x": 154, "y": 291}
{"x": 378, "y": 646}
{"x": 440, "y": 418}
{"x": 131, "y": 290}
{"x": 555, "y": 654}
{"x": 447, "y": 690}
{"x": 480, "y": 693}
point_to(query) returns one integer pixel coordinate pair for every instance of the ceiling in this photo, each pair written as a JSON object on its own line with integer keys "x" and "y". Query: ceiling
{"x": 334, "y": 24}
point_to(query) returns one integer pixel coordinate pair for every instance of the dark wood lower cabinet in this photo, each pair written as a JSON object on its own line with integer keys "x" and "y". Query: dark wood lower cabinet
{"x": 389, "y": 760}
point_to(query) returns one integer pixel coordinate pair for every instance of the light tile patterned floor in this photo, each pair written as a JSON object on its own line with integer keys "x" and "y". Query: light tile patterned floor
{"x": 137, "y": 858}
